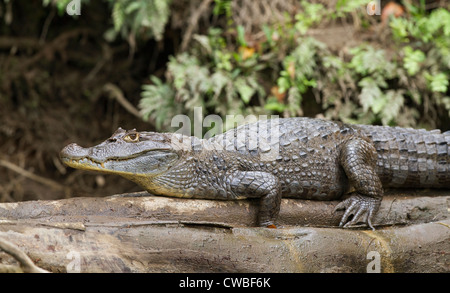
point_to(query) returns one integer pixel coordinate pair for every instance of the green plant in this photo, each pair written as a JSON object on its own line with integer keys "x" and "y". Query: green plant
{"x": 131, "y": 19}
{"x": 217, "y": 79}
{"x": 225, "y": 72}
{"x": 375, "y": 70}
{"x": 390, "y": 89}
{"x": 426, "y": 50}
{"x": 343, "y": 7}
{"x": 144, "y": 19}
{"x": 298, "y": 75}
{"x": 412, "y": 60}
{"x": 312, "y": 14}
{"x": 157, "y": 97}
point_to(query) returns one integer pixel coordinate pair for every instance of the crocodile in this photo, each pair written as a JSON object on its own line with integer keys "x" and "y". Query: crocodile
{"x": 299, "y": 157}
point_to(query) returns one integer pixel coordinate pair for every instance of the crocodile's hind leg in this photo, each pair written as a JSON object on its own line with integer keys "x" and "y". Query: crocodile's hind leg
{"x": 358, "y": 159}
{"x": 256, "y": 184}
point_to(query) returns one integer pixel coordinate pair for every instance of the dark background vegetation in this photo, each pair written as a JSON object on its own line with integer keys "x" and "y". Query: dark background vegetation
{"x": 73, "y": 78}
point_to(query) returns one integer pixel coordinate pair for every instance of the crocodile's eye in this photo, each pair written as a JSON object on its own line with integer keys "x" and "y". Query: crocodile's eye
{"x": 132, "y": 137}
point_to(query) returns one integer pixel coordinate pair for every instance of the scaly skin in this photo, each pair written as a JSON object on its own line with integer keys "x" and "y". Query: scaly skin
{"x": 294, "y": 157}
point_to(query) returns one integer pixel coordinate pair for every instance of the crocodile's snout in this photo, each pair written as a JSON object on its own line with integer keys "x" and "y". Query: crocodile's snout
{"x": 73, "y": 151}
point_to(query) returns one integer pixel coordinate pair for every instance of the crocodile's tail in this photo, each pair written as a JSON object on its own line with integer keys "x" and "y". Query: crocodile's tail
{"x": 411, "y": 157}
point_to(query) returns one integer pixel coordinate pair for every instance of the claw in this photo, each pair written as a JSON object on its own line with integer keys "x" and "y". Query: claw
{"x": 268, "y": 224}
{"x": 362, "y": 208}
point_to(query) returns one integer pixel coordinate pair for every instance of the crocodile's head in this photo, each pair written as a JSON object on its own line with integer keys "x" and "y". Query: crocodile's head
{"x": 134, "y": 155}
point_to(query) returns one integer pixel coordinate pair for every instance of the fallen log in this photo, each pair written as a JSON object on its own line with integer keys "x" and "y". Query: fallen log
{"x": 138, "y": 233}
{"x": 396, "y": 209}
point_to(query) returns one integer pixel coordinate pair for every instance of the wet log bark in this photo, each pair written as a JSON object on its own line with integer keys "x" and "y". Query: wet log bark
{"x": 135, "y": 233}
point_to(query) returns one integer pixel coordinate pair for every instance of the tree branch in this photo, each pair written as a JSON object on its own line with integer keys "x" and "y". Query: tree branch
{"x": 26, "y": 263}
{"x": 116, "y": 93}
{"x": 25, "y": 173}
{"x": 143, "y": 233}
{"x": 193, "y": 23}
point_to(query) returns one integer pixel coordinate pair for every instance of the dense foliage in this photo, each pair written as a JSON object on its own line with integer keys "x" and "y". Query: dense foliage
{"x": 399, "y": 77}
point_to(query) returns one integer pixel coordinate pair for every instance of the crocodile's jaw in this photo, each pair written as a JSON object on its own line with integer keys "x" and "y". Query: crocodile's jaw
{"x": 91, "y": 165}
{"x": 144, "y": 164}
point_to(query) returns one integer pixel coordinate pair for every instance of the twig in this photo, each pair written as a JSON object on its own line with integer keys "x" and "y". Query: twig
{"x": 99, "y": 65}
{"x": 26, "y": 263}
{"x": 7, "y": 42}
{"x": 193, "y": 22}
{"x": 116, "y": 93}
{"x": 28, "y": 174}
{"x": 46, "y": 25}
{"x": 57, "y": 44}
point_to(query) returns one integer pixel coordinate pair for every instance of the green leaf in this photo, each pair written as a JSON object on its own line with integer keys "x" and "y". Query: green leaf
{"x": 370, "y": 95}
{"x": 399, "y": 27}
{"x": 222, "y": 7}
{"x": 412, "y": 60}
{"x": 312, "y": 13}
{"x": 241, "y": 36}
{"x": 219, "y": 80}
{"x": 378, "y": 104}
{"x": 118, "y": 15}
{"x": 283, "y": 83}
{"x": 274, "y": 105}
{"x": 246, "y": 92}
{"x": 204, "y": 41}
{"x": 133, "y": 6}
{"x": 268, "y": 31}
{"x": 366, "y": 60}
{"x": 157, "y": 102}
{"x": 437, "y": 82}
{"x": 395, "y": 102}
{"x": 110, "y": 34}
{"x": 350, "y": 5}
{"x": 294, "y": 101}
{"x": 310, "y": 83}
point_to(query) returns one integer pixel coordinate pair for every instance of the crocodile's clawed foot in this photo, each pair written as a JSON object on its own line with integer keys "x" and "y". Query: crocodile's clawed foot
{"x": 362, "y": 208}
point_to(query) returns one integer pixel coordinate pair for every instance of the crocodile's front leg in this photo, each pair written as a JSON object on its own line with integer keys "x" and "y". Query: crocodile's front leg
{"x": 358, "y": 159}
{"x": 256, "y": 184}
